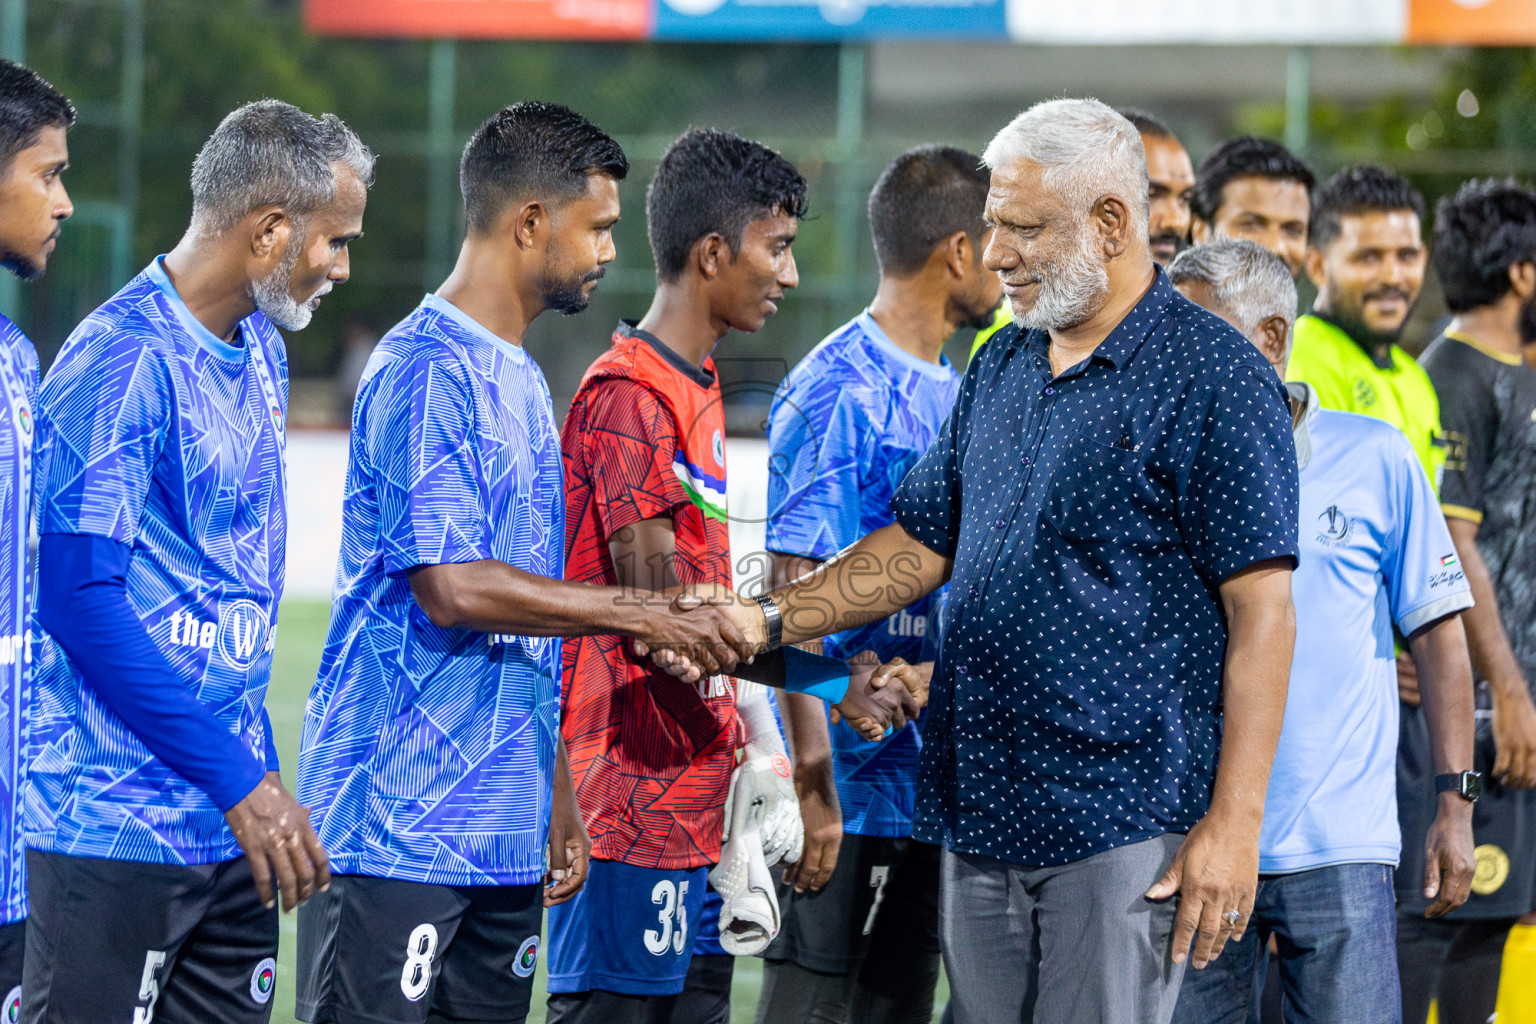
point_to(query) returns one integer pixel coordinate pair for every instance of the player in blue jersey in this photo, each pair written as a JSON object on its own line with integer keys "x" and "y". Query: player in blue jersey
{"x": 861, "y": 943}
{"x": 431, "y": 753}
{"x": 34, "y": 151}
{"x": 153, "y": 798}
{"x": 1376, "y": 553}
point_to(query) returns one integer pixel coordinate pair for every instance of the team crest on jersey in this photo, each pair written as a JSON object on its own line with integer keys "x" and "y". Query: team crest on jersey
{"x": 527, "y": 957}
{"x": 1492, "y": 869}
{"x": 12, "y": 1005}
{"x": 1365, "y": 393}
{"x": 264, "y": 980}
{"x": 717, "y": 446}
{"x": 1334, "y": 527}
{"x": 24, "y": 419}
{"x": 242, "y": 631}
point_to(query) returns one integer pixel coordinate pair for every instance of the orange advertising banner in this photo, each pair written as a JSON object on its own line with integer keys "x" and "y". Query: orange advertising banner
{"x": 481, "y": 19}
{"x": 1473, "y": 22}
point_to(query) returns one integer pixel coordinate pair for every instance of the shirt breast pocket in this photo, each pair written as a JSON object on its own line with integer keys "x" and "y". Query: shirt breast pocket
{"x": 1094, "y": 490}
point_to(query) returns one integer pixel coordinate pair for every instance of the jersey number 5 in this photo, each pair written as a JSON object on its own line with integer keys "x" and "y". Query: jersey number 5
{"x": 672, "y": 918}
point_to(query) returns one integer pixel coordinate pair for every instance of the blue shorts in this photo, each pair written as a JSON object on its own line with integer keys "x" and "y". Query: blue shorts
{"x": 706, "y": 930}
{"x": 629, "y": 930}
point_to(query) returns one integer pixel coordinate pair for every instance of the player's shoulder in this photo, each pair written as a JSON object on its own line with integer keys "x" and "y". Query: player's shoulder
{"x": 1207, "y": 351}
{"x": 847, "y": 366}
{"x": 1367, "y": 438}
{"x": 1452, "y": 364}
{"x": 134, "y": 317}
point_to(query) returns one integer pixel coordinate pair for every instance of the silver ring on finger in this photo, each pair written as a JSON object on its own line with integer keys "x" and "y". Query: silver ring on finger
{"x": 1232, "y": 917}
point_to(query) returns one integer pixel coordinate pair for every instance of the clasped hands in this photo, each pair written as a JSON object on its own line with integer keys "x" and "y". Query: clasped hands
{"x": 710, "y": 629}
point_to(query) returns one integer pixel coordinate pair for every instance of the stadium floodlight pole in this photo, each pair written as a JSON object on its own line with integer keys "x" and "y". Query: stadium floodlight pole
{"x": 442, "y": 211}
{"x": 1298, "y": 100}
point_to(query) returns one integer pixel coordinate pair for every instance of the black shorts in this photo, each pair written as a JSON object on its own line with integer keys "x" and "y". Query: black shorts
{"x": 13, "y": 945}
{"x": 705, "y": 999}
{"x": 383, "y": 951}
{"x": 116, "y": 940}
{"x": 880, "y": 886}
{"x": 1503, "y": 827}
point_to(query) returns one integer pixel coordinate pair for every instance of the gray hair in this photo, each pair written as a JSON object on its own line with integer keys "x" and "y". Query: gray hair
{"x": 1250, "y": 283}
{"x": 270, "y": 153}
{"x": 1087, "y": 151}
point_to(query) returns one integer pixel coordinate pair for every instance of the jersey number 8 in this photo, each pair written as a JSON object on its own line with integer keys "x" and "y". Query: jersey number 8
{"x": 416, "y": 975}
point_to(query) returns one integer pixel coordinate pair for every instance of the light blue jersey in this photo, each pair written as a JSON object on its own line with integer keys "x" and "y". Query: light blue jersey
{"x": 18, "y": 392}
{"x": 848, "y": 423}
{"x": 157, "y": 435}
{"x": 1375, "y": 552}
{"x": 427, "y": 752}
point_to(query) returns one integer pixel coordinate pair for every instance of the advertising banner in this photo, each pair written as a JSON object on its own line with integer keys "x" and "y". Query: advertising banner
{"x": 1207, "y": 21}
{"x": 830, "y": 19}
{"x": 1078, "y": 22}
{"x": 1473, "y": 22}
{"x": 481, "y": 19}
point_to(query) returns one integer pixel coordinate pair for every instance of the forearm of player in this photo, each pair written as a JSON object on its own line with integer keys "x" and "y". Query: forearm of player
{"x": 1439, "y": 652}
{"x": 493, "y": 597}
{"x": 83, "y": 604}
{"x": 1488, "y": 643}
{"x": 1261, "y": 636}
{"x": 865, "y": 582}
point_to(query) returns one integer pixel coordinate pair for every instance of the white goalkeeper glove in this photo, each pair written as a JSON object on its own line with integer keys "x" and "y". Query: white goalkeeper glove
{"x": 766, "y": 776}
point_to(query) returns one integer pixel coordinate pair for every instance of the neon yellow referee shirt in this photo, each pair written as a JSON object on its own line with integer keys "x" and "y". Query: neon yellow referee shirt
{"x": 1346, "y": 378}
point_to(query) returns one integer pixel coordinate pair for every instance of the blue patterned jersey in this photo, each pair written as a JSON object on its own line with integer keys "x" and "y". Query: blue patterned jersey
{"x": 18, "y": 390}
{"x": 428, "y": 752}
{"x": 156, "y": 434}
{"x": 848, "y": 423}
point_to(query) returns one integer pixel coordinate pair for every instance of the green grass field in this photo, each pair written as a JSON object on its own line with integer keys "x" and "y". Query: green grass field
{"x": 301, "y": 633}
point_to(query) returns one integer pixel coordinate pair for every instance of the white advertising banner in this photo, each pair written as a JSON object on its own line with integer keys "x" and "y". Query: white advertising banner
{"x": 1208, "y": 21}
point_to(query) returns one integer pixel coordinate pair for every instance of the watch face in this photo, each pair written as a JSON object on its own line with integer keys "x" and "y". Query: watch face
{"x": 1471, "y": 785}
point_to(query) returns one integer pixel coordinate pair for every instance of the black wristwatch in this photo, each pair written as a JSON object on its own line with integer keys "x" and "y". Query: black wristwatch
{"x": 774, "y": 621}
{"x": 1467, "y": 785}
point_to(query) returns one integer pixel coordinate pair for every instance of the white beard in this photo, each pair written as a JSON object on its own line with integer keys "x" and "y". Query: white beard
{"x": 1071, "y": 290}
{"x": 272, "y": 297}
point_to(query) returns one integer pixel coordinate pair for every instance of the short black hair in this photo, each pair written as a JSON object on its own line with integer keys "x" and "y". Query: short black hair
{"x": 712, "y": 181}
{"x": 533, "y": 150}
{"x": 925, "y": 196}
{"x": 28, "y": 104}
{"x": 1246, "y": 157}
{"x": 1364, "y": 188}
{"x": 1146, "y": 124}
{"x": 1480, "y": 232}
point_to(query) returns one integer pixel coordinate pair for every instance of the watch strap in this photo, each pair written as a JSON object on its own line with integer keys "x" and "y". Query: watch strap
{"x": 773, "y": 620}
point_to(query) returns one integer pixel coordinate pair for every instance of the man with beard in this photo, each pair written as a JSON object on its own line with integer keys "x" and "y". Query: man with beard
{"x": 153, "y": 795}
{"x": 1170, "y": 186}
{"x": 1367, "y": 259}
{"x": 1373, "y": 547}
{"x": 431, "y": 754}
{"x": 1485, "y": 256}
{"x": 1113, "y": 501}
{"x": 34, "y": 151}
{"x": 1255, "y": 189}
{"x": 862, "y": 943}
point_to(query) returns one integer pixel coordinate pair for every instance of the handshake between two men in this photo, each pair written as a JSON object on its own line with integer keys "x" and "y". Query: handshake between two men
{"x": 710, "y": 629}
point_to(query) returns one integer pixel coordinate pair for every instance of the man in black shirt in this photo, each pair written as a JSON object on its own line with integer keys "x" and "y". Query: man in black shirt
{"x": 1485, "y": 254}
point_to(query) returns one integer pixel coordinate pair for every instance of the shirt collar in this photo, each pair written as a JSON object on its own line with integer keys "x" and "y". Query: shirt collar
{"x": 471, "y": 326}
{"x": 701, "y": 376}
{"x": 1304, "y": 393}
{"x": 189, "y": 323}
{"x": 1122, "y": 342}
{"x": 875, "y": 333}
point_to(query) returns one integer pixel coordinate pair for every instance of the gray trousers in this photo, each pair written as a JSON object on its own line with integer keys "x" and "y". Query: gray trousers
{"x": 1074, "y": 944}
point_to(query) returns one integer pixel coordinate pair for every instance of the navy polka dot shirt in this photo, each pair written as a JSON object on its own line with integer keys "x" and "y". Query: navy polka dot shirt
{"x": 1076, "y": 704}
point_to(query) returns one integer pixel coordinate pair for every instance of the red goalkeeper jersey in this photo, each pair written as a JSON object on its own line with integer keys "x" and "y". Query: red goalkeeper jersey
{"x": 651, "y": 754}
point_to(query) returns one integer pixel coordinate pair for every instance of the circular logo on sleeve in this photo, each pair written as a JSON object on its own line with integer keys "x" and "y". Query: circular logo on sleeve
{"x": 781, "y": 766}
{"x": 1492, "y": 869}
{"x": 12, "y": 1012}
{"x": 527, "y": 957}
{"x": 264, "y": 980}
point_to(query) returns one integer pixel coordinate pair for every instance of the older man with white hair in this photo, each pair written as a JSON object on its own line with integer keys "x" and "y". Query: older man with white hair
{"x": 1113, "y": 499}
{"x": 1375, "y": 551}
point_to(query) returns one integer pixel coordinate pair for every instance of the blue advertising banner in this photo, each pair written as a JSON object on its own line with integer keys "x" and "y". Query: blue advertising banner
{"x": 765, "y": 20}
